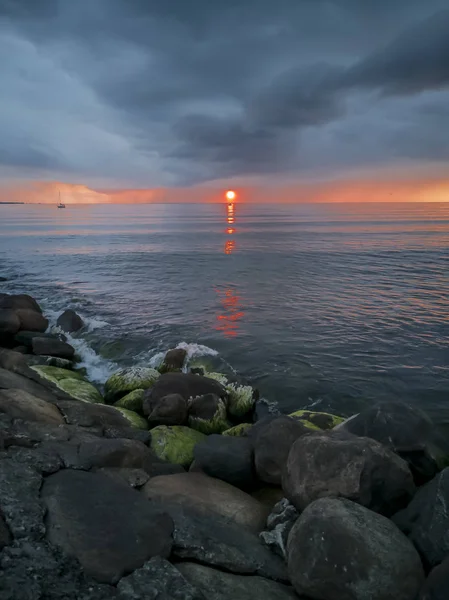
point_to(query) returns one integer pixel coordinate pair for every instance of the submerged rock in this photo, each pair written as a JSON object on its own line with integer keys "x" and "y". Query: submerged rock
{"x": 168, "y": 410}
{"x": 127, "y": 380}
{"x": 132, "y": 401}
{"x": 70, "y": 321}
{"x": 208, "y": 414}
{"x": 317, "y": 420}
{"x": 339, "y": 464}
{"x": 175, "y": 443}
{"x": 338, "y": 549}
{"x": 71, "y": 382}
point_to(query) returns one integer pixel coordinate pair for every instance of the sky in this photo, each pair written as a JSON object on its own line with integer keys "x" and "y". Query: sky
{"x": 171, "y": 100}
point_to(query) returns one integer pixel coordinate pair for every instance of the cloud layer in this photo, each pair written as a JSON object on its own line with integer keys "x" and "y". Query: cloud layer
{"x": 136, "y": 93}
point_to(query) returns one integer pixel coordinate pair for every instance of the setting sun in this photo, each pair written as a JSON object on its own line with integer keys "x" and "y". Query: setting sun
{"x": 230, "y": 195}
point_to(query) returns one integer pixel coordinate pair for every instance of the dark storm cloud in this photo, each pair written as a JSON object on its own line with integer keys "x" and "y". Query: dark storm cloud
{"x": 156, "y": 92}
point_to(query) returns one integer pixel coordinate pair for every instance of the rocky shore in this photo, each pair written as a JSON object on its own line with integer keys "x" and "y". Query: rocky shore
{"x": 168, "y": 484}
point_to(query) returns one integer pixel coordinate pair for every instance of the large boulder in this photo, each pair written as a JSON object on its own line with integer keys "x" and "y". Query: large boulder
{"x": 127, "y": 380}
{"x": 99, "y": 416}
{"x": 339, "y": 464}
{"x": 71, "y": 382}
{"x": 19, "y": 404}
{"x": 339, "y": 549}
{"x": 44, "y": 346}
{"x": 175, "y": 443}
{"x": 207, "y": 414}
{"x": 208, "y": 495}
{"x": 407, "y": 431}
{"x": 70, "y": 321}
{"x": 132, "y": 401}
{"x": 272, "y": 443}
{"x": 25, "y": 338}
{"x": 426, "y": 519}
{"x": 9, "y": 322}
{"x": 174, "y": 360}
{"x": 168, "y": 410}
{"x": 227, "y": 458}
{"x": 110, "y": 528}
{"x": 31, "y": 320}
{"x": 216, "y": 585}
{"x": 186, "y": 384}
{"x": 20, "y": 301}
{"x": 317, "y": 420}
{"x": 437, "y": 584}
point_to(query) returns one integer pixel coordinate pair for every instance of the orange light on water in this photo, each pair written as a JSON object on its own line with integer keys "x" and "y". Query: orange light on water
{"x": 230, "y": 195}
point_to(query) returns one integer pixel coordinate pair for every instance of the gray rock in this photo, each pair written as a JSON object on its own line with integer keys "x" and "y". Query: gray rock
{"x": 227, "y": 458}
{"x": 213, "y": 540}
{"x": 272, "y": 443}
{"x": 123, "y": 453}
{"x": 208, "y": 495}
{"x": 339, "y": 549}
{"x": 86, "y": 414}
{"x": 70, "y": 321}
{"x": 47, "y": 347}
{"x": 31, "y": 320}
{"x": 339, "y": 464}
{"x": 130, "y": 433}
{"x": 20, "y": 301}
{"x": 26, "y": 338}
{"x": 136, "y": 478}
{"x": 5, "y": 534}
{"x": 169, "y": 410}
{"x": 279, "y": 525}
{"x": 29, "y": 381}
{"x": 157, "y": 580}
{"x": 9, "y": 322}
{"x": 22, "y": 405}
{"x": 437, "y": 584}
{"x": 426, "y": 519}
{"x": 407, "y": 431}
{"x": 216, "y": 585}
{"x": 82, "y": 507}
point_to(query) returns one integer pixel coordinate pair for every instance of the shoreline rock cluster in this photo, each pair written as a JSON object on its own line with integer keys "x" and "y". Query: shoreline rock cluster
{"x": 164, "y": 484}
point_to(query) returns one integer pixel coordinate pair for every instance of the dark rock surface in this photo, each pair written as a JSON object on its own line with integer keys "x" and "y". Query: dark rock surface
{"x": 437, "y": 584}
{"x": 407, "y": 431}
{"x": 168, "y": 410}
{"x": 22, "y": 405}
{"x": 31, "y": 320}
{"x": 227, "y": 458}
{"x": 272, "y": 443}
{"x": 136, "y": 478}
{"x": 216, "y": 585}
{"x": 426, "y": 519}
{"x": 26, "y": 337}
{"x": 174, "y": 360}
{"x": 91, "y": 415}
{"x": 185, "y": 384}
{"x": 51, "y": 347}
{"x": 5, "y": 534}
{"x": 70, "y": 321}
{"x": 338, "y": 549}
{"x": 20, "y": 301}
{"x": 339, "y": 464}
{"x": 9, "y": 322}
{"x": 279, "y": 525}
{"x": 209, "y": 496}
{"x": 110, "y": 528}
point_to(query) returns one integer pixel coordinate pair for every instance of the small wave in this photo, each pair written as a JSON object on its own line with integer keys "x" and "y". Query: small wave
{"x": 196, "y": 350}
{"x": 98, "y": 369}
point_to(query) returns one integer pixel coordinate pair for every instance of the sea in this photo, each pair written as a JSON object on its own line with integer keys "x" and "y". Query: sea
{"x": 321, "y": 306}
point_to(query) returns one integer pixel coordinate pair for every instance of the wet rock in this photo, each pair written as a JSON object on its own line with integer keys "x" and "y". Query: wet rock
{"x": 407, "y": 431}
{"x": 20, "y": 301}
{"x": 11, "y": 380}
{"x": 80, "y": 510}
{"x": 127, "y": 380}
{"x": 129, "y": 433}
{"x": 9, "y": 322}
{"x": 242, "y": 400}
{"x": 426, "y": 519}
{"x": 134, "y": 419}
{"x": 187, "y": 385}
{"x": 338, "y": 464}
{"x": 272, "y": 443}
{"x": 437, "y": 585}
{"x": 168, "y": 410}
{"x": 227, "y": 458}
{"x": 338, "y": 549}
{"x": 157, "y": 580}
{"x": 132, "y": 401}
{"x": 175, "y": 444}
{"x": 84, "y": 414}
{"x": 136, "y": 478}
{"x": 279, "y": 525}
{"x": 70, "y": 321}
{"x": 70, "y": 382}
{"x": 100, "y": 452}
{"x": 5, "y": 534}
{"x": 241, "y": 430}
{"x": 174, "y": 360}
{"x": 21, "y": 405}
{"x": 31, "y": 320}
{"x": 317, "y": 420}
{"x": 208, "y": 495}
{"x": 207, "y": 414}
{"x": 216, "y": 585}
{"x": 26, "y": 337}
{"x": 51, "y": 347}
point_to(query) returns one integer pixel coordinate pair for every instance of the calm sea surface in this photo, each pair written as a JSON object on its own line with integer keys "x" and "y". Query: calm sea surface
{"x": 330, "y": 306}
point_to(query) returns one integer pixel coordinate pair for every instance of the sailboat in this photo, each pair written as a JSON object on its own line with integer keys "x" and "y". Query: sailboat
{"x": 60, "y": 205}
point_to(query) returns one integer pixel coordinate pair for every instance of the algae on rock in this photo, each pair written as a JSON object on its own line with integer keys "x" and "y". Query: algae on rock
{"x": 128, "y": 380}
{"x": 175, "y": 443}
{"x": 317, "y": 420}
{"x": 132, "y": 401}
{"x": 241, "y": 400}
{"x": 215, "y": 424}
{"x": 71, "y": 382}
{"x": 134, "y": 419}
{"x": 239, "y": 430}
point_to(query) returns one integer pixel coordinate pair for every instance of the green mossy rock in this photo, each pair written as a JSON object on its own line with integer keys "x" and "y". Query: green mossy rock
{"x": 216, "y": 424}
{"x": 134, "y": 419}
{"x": 218, "y": 377}
{"x": 241, "y": 400}
{"x": 71, "y": 382}
{"x": 239, "y": 430}
{"x": 317, "y": 420}
{"x": 128, "y": 380}
{"x": 175, "y": 443}
{"x": 132, "y": 401}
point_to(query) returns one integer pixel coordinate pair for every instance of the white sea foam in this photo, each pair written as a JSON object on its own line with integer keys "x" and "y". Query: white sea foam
{"x": 196, "y": 350}
{"x": 98, "y": 369}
